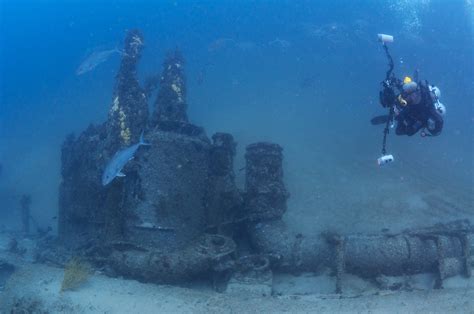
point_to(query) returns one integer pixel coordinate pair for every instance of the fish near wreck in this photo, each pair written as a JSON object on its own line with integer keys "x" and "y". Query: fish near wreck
{"x": 94, "y": 59}
{"x": 120, "y": 159}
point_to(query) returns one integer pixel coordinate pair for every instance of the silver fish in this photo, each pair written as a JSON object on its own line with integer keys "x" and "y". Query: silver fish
{"x": 280, "y": 43}
{"x": 120, "y": 159}
{"x": 94, "y": 59}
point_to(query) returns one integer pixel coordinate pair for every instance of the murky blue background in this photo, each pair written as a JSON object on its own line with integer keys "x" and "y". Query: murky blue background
{"x": 304, "y": 74}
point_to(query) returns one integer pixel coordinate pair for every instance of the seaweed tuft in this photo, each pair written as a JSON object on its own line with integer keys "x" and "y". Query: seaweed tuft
{"x": 76, "y": 273}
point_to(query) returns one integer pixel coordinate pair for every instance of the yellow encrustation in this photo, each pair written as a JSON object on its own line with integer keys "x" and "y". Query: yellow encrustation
{"x": 125, "y": 133}
{"x": 177, "y": 89}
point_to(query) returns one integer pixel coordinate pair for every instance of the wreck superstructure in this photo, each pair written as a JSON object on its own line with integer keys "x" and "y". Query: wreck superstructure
{"x": 174, "y": 216}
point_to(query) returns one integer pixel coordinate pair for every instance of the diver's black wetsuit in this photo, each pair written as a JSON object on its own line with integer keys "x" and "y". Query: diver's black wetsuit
{"x": 415, "y": 116}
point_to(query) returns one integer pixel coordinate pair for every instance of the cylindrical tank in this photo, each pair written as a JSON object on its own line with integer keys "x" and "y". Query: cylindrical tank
{"x": 167, "y": 208}
{"x": 224, "y": 200}
{"x": 266, "y": 194}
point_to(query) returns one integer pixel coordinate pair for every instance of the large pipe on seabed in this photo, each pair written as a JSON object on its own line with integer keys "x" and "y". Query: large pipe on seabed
{"x": 180, "y": 266}
{"x": 265, "y": 202}
{"x": 438, "y": 249}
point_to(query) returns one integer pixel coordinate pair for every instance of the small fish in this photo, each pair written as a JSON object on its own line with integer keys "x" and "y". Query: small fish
{"x": 280, "y": 43}
{"x": 219, "y": 44}
{"x": 246, "y": 46}
{"x": 152, "y": 226}
{"x": 95, "y": 59}
{"x": 379, "y": 119}
{"x": 120, "y": 159}
{"x": 310, "y": 81}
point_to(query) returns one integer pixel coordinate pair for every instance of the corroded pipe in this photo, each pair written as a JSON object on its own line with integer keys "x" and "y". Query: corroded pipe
{"x": 439, "y": 249}
{"x": 192, "y": 262}
{"x": 397, "y": 255}
{"x": 290, "y": 251}
{"x": 265, "y": 203}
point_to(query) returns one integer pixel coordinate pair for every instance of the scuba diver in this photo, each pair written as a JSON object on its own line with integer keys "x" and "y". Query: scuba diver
{"x": 413, "y": 104}
{"x": 416, "y": 107}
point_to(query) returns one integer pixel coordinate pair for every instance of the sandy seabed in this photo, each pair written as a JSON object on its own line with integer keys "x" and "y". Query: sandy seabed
{"x": 35, "y": 288}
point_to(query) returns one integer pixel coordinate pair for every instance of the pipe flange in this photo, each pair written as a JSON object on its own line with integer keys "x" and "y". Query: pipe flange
{"x": 258, "y": 263}
{"x": 216, "y": 246}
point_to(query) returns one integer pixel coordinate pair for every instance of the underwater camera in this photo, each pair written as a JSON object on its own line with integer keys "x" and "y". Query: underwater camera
{"x": 385, "y": 159}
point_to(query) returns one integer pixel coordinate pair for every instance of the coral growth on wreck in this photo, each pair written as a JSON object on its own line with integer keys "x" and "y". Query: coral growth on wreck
{"x": 76, "y": 274}
{"x": 129, "y": 111}
{"x": 171, "y": 99}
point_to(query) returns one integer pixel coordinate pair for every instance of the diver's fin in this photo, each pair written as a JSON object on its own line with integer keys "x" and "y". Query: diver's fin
{"x": 120, "y": 174}
{"x": 379, "y": 120}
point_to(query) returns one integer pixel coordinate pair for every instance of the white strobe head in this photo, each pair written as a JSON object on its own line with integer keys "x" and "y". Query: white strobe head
{"x": 384, "y": 38}
{"x": 385, "y": 159}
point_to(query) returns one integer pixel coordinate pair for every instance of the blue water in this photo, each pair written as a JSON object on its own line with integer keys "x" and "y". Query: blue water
{"x": 304, "y": 74}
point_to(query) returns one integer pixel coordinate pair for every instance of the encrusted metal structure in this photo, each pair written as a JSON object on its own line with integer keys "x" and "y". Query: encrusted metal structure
{"x": 154, "y": 224}
{"x": 128, "y": 114}
{"x": 224, "y": 200}
{"x": 161, "y": 205}
{"x": 444, "y": 249}
{"x": 171, "y": 100}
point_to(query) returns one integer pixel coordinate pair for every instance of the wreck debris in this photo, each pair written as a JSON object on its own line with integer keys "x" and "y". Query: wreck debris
{"x": 81, "y": 196}
{"x": 171, "y": 100}
{"x": 151, "y": 265}
{"x": 173, "y": 176}
{"x": 266, "y": 194}
{"x": 265, "y": 204}
{"x": 6, "y": 270}
{"x": 252, "y": 275}
{"x": 224, "y": 200}
{"x": 161, "y": 201}
{"x": 437, "y": 250}
{"x": 25, "y": 203}
{"x": 129, "y": 111}
{"x": 87, "y": 210}
{"x": 338, "y": 242}
{"x": 151, "y": 224}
